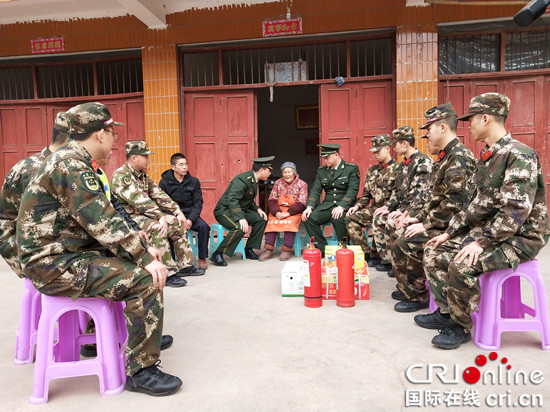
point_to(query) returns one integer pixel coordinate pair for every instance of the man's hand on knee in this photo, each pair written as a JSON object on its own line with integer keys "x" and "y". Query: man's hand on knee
{"x": 158, "y": 272}
{"x": 337, "y": 212}
{"x": 244, "y": 225}
{"x": 306, "y": 213}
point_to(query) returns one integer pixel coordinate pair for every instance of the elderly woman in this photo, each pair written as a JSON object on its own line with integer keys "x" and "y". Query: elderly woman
{"x": 286, "y": 202}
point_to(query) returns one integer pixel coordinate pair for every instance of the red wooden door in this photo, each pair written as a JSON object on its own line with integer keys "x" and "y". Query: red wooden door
{"x": 528, "y": 120}
{"x": 220, "y": 140}
{"x": 352, "y": 114}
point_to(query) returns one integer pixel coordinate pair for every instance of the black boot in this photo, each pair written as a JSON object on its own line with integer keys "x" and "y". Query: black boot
{"x": 451, "y": 337}
{"x": 435, "y": 320}
{"x": 217, "y": 259}
{"x": 153, "y": 381}
{"x": 249, "y": 253}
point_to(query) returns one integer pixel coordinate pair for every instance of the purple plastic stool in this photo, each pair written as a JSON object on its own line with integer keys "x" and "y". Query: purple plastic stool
{"x": 507, "y": 312}
{"x": 433, "y": 305}
{"x": 62, "y": 360}
{"x": 25, "y": 338}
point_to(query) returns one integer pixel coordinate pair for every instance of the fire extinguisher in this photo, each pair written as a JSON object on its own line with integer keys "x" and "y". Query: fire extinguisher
{"x": 312, "y": 289}
{"x": 345, "y": 293}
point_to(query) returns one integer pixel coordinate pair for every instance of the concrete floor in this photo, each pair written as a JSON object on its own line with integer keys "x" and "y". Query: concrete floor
{"x": 240, "y": 346}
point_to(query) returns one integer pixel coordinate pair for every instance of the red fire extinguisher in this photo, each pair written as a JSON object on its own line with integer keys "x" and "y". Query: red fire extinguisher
{"x": 345, "y": 293}
{"x": 312, "y": 286}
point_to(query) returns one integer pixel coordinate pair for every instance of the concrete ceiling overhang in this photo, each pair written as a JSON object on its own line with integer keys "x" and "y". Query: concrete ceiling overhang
{"x": 151, "y": 12}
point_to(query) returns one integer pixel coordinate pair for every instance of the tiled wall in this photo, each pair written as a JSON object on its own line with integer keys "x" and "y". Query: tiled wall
{"x": 416, "y": 48}
{"x": 161, "y": 105}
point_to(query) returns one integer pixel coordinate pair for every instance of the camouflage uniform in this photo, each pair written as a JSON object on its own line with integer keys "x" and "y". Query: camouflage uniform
{"x": 411, "y": 185}
{"x": 72, "y": 242}
{"x": 447, "y": 196}
{"x": 506, "y": 215}
{"x": 17, "y": 180}
{"x": 379, "y": 184}
{"x": 146, "y": 203}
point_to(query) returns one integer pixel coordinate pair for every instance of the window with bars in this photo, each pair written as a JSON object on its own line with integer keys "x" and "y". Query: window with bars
{"x": 471, "y": 54}
{"x": 56, "y": 80}
{"x": 527, "y": 50}
{"x": 296, "y": 63}
{"x": 523, "y": 50}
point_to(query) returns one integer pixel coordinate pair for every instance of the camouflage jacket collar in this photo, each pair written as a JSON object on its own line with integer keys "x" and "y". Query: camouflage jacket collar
{"x": 487, "y": 151}
{"x": 442, "y": 153}
{"x": 46, "y": 152}
{"x": 383, "y": 166}
{"x": 77, "y": 147}
{"x": 138, "y": 174}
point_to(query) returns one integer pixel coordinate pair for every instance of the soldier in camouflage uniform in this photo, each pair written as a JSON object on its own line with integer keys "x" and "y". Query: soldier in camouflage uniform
{"x": 16, "y": 182}
{"x": 447, "y": 196}
{"x": 154, "y": 212}
{"x": 72, "y": 242}
{"x": 412, "y": 182}
{"x": 504, "y": 224}
{"x": 379, "y": 184}
{"x": 340, "y": 181}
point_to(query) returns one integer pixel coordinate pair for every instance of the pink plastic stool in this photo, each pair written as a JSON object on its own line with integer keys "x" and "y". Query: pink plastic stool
{"x": 507, "y": 313}
{"x": 62, "y": 360}
{"x": 433, "y": 305}
{"x": 25, "y": 338}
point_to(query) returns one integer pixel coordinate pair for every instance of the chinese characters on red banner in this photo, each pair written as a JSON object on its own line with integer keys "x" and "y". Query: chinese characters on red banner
{"x": 282, "y": 27}
{"x": 50, "y": 45}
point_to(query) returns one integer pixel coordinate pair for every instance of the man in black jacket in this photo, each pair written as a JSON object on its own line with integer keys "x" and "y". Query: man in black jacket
{"x": 185, "y": 190}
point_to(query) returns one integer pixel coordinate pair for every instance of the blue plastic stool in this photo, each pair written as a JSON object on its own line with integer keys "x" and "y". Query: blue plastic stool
{"x": 297, "y": 245}
{"x": 367, "y": 237}
{"x": 220, "y": 232}
{"x": 333, "y": 240}
{"x": 194, "y": 241}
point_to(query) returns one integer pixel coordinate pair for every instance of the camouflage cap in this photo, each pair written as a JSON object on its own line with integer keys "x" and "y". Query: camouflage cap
{"x": 138, "y": 147}
{"x": 403, "y": 133}
{"x": 443, "y": 111}
{"x": 89, "y": 118}
{"x": 264, "y": 161}
{"x": 61, "y": 123}
{"x": 327, "y": 149}
{"x": 490, "y": 103}
{"x": 378, "y": 142}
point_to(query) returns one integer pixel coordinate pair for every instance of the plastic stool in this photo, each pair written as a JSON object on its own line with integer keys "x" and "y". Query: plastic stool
{"x": 25, "y": 338}
{"x": 220, "y": 231}
{"x": 297, "y": 245}
{"x": 333, "y": 240}
{"x": 507, "y": 313}
{"x": 433, "y": 305}
{"x": 194, "y": 241}
{"x": 62, "y": 360}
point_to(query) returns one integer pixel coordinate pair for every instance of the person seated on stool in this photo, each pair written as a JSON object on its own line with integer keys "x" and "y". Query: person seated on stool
{"x": 72, "y": 242}
{"x": 286, "y": 203}
{"x": 185, "y": 190}
{"x": 504, "y": 224}
{"x": 340, "y": 181}
{"x": 154, "y": 212}
{"x": 236, "y": 211}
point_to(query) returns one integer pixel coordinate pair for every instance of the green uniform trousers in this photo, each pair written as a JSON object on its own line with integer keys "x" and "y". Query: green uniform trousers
{"x": 321, "y": 217}
{"x": 235, "y": 234}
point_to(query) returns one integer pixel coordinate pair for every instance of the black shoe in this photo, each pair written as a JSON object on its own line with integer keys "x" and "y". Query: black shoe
{"x": 175, "y": 282}
{"x": 373, "y": 262}
{"x": 249, "y": 253}
{"x": 398, "y": 295}
{"x": 435, "y": 320}
{"x": 190, "y": 271}
{"x": 383, "y": 267}
{"x": 451, "y": 337}
{"x": 408, "y": 306}
{"x": 153, "y": 381}
{"x": 90, "y": 351}
{"x": 166, "y": 341}
{"x": 390, "y": 273}
{"x": 217, "y": 259}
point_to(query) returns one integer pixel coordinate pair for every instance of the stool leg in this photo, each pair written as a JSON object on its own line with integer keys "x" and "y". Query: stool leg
{"x": 542, "y": 311}
{"x": 111, "y": 383}
{"x": 26, "y": 332}
{"x": 510, "y": 304}
{"x": 487, "y": 317}
{"x": 44, "y": 349}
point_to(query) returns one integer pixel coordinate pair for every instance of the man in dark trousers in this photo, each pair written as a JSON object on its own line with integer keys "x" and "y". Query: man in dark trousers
{"x": 340, "y": 181}
{"x": 185, "y": 190}
{"x": 236, "y": 211}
